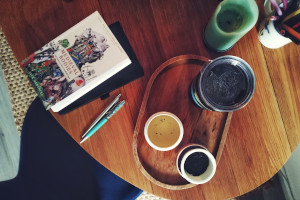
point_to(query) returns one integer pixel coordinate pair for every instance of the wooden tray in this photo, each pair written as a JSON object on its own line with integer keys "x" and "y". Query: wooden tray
{"x": 167, "y": 90}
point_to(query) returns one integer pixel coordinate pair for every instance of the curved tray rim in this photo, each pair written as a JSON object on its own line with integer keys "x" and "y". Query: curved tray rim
{"x": 182, "y": 59}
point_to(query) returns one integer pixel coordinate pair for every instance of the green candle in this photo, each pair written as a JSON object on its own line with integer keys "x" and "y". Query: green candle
{"x": 231, "y": 21}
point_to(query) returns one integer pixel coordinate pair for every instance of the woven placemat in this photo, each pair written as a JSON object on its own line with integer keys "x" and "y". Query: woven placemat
{"x": 21, "y": 92}
{"x": 148, "y": 196}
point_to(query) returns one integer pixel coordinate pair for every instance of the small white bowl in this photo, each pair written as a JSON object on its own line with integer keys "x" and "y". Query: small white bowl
{"x": 185, "y": 153}
{"x": 180, "y": 128}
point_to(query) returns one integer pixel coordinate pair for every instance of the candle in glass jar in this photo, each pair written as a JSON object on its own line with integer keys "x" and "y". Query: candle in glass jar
{"x": 231, "y": 21}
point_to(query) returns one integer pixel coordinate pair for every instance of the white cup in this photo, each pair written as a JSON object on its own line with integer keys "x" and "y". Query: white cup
{"x": 269, "y": 36}
{"x": 173, "y": 145}
{"x": 206, "y": 175}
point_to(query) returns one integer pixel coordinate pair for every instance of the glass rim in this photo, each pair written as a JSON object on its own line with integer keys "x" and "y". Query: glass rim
{"x": 240, "y": 64}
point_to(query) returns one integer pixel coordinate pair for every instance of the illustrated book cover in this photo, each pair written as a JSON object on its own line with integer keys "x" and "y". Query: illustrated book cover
{"x": 75, "y": 62}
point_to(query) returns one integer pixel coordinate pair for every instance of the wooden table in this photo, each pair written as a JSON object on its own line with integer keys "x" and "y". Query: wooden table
{"x": 262, "y": 135}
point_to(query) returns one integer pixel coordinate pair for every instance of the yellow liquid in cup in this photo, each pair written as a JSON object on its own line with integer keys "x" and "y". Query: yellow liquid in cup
{"x": 163, "y": 131}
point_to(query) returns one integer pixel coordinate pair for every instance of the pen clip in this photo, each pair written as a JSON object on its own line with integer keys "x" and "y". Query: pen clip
{"x": 114, "y": 109}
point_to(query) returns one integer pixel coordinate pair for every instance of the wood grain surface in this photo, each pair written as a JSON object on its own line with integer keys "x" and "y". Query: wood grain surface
{"x": 167, "y": 90}
{"x": 261, "y": 136}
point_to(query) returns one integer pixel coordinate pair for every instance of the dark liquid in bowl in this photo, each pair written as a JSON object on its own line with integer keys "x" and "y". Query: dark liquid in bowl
{"x": 225, "y": 85}
{"x": 196, "y": 164}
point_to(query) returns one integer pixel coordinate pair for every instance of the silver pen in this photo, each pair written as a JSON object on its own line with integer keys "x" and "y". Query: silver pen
{"x": 105, "y": 119}
{"x": 102, "y": 114}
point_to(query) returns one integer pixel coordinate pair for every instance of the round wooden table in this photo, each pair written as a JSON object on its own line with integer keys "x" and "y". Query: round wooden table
{"x": 261, "y": 136}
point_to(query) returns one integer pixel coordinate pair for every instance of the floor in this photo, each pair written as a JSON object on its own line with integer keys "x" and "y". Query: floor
{"x": 271, "y": 190}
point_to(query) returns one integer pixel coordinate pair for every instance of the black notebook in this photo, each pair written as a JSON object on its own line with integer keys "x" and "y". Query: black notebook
{"x": 126, "y": 75}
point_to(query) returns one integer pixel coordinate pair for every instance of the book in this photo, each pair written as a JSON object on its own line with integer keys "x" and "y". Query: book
{"x": 75, "y": 62}
{"x": 123, "y": 77}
